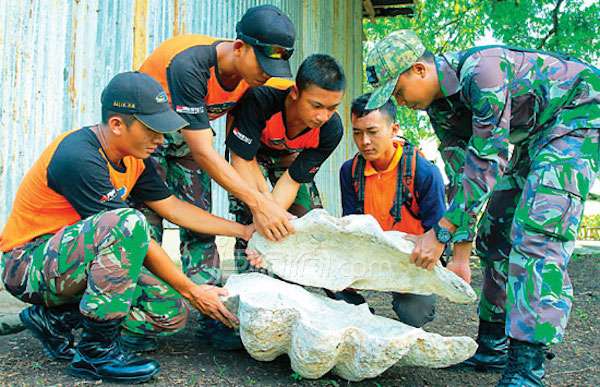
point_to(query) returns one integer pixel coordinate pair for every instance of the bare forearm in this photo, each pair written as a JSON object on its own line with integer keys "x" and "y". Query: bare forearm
{"x": 227, "y": 177}
{"x": 159, "y": 263}
{"x": 196, "y": 219}
{"x": 271, "y": 221}
{"x": 459, "y": 264}
{"x": 205, "y": 298}
{"x": 251, "y": 172}
{"x": 462, "y": 252}
{"x": 201, "y": 147}
{"x": 285, "y": 190}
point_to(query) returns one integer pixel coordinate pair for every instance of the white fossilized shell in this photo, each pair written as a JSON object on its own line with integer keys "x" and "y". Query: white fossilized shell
{"x": 320, "y": 334}
{"x": 354, "y": 252}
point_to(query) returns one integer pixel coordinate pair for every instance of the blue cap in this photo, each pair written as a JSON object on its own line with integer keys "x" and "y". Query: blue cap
{"x": 140, "y": 95}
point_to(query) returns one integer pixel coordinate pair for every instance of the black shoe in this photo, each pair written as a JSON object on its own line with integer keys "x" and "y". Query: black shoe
{"x": 492, "y": 350}
{"x": 219, "y": 335}
{"x": 53, "y": 327}
{"x": 349, "y": 297}
{"x": 525, "y": 367}
{"x": 99, "y": 355}
{"x": 138, "y": 343}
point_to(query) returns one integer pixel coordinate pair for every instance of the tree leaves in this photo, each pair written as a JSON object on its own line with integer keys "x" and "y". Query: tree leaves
{"x": 569, "y": 27}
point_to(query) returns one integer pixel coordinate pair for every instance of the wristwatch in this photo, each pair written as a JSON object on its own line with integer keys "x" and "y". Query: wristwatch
{"x": 442, "y": 234}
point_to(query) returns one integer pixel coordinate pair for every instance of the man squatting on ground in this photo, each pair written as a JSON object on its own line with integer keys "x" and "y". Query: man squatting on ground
{"x": 284, "y": 134}
{"x": 204, "y": 77}
{"x": 389, "y": 179}
{"x": 479, "y": 101}
{"x": 74, "y": 249}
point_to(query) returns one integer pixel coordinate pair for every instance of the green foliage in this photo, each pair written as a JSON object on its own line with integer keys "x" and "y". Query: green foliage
{"x": 589, "y": 228}
{"x": 568, "y": 26}
{"x": 296, "y": 376}
{"x": 590, "y": 221}
{"x": 445, "y": 25}
{"x": 450, "y": 25}
{"x": 442, "y": 26}
{"x": 593, "y": 196}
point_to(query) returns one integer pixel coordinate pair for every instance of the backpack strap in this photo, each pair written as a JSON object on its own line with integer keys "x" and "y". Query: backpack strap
{"x": 412, "y": 205}
{"x": 358, "y": 182}
{"x": 405, "y": 183}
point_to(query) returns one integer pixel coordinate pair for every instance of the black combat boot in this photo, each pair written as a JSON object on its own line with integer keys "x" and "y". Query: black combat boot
{"x": 53, "y": 327}
{"x": 492, "y": 350}
{"x": 99, "y": 355}
{"x": 525, "y": 367}
{"x": 138, "y": 343}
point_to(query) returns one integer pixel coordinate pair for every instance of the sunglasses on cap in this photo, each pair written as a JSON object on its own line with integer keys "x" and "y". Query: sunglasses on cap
{"x": 273, "y": 51}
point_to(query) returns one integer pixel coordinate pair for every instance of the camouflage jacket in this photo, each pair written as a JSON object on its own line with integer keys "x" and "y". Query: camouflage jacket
{"x": 495, "y": 96}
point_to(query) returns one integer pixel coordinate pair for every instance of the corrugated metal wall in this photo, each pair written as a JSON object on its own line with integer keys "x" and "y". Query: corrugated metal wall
{"x": 56, "y": 56}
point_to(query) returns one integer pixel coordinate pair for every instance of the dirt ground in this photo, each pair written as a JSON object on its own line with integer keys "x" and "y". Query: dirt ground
{"x": 187, "y": 361}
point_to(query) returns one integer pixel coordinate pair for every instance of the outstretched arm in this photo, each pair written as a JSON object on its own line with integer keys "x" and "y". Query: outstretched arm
{"x": 286, "y": 190}
{"x": 251, "y": 171}
{"x": 196, "y": 219}
{"x": 205, "y": 298}
{"x": 484, "y": 83}
{"x": 270, "y": 219}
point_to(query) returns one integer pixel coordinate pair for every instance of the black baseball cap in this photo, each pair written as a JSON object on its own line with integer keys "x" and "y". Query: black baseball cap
{"x": 266, "y": 25}
{"x": 140, "y": 95}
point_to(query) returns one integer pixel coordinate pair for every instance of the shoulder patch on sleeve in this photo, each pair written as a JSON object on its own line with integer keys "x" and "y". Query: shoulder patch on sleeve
{"x": 190, "y": 109}
{"x": 241, "y": 136}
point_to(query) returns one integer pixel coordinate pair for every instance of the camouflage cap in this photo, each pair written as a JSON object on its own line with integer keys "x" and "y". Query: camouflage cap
{"x": 389, "y": 58}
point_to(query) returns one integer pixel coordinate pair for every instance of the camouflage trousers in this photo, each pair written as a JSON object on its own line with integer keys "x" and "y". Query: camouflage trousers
{"x": 187, "y": 181}
{"x": 527, "y": 235}
{"x": 272, "y": 168}
{"x": 98, "y": 263}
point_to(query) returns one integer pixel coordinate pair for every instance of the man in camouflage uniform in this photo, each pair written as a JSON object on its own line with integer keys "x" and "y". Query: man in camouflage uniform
{"x": 284, "y": 132}
{"x": 73, "y": 248}
{"x": 480, "y": 101}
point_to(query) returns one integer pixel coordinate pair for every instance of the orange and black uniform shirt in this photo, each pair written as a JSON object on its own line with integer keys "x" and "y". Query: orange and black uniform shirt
{"x": 259, "y": 128}
{"x": 186, "y": 67}
{"x": 72, "y": 180}
{"x": 380, "y": 192}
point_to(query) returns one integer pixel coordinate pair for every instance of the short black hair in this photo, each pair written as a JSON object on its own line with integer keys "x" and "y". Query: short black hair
{"x": 321, "y": 70}
{"x": 108, "y": 114}
{"x": 359, "y": 107}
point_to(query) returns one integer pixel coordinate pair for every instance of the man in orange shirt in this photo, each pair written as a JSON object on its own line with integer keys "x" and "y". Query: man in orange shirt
{"x": 204, "y": 77}
{"x": 73, "y": 248}
{"x": 390, "y": 180}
